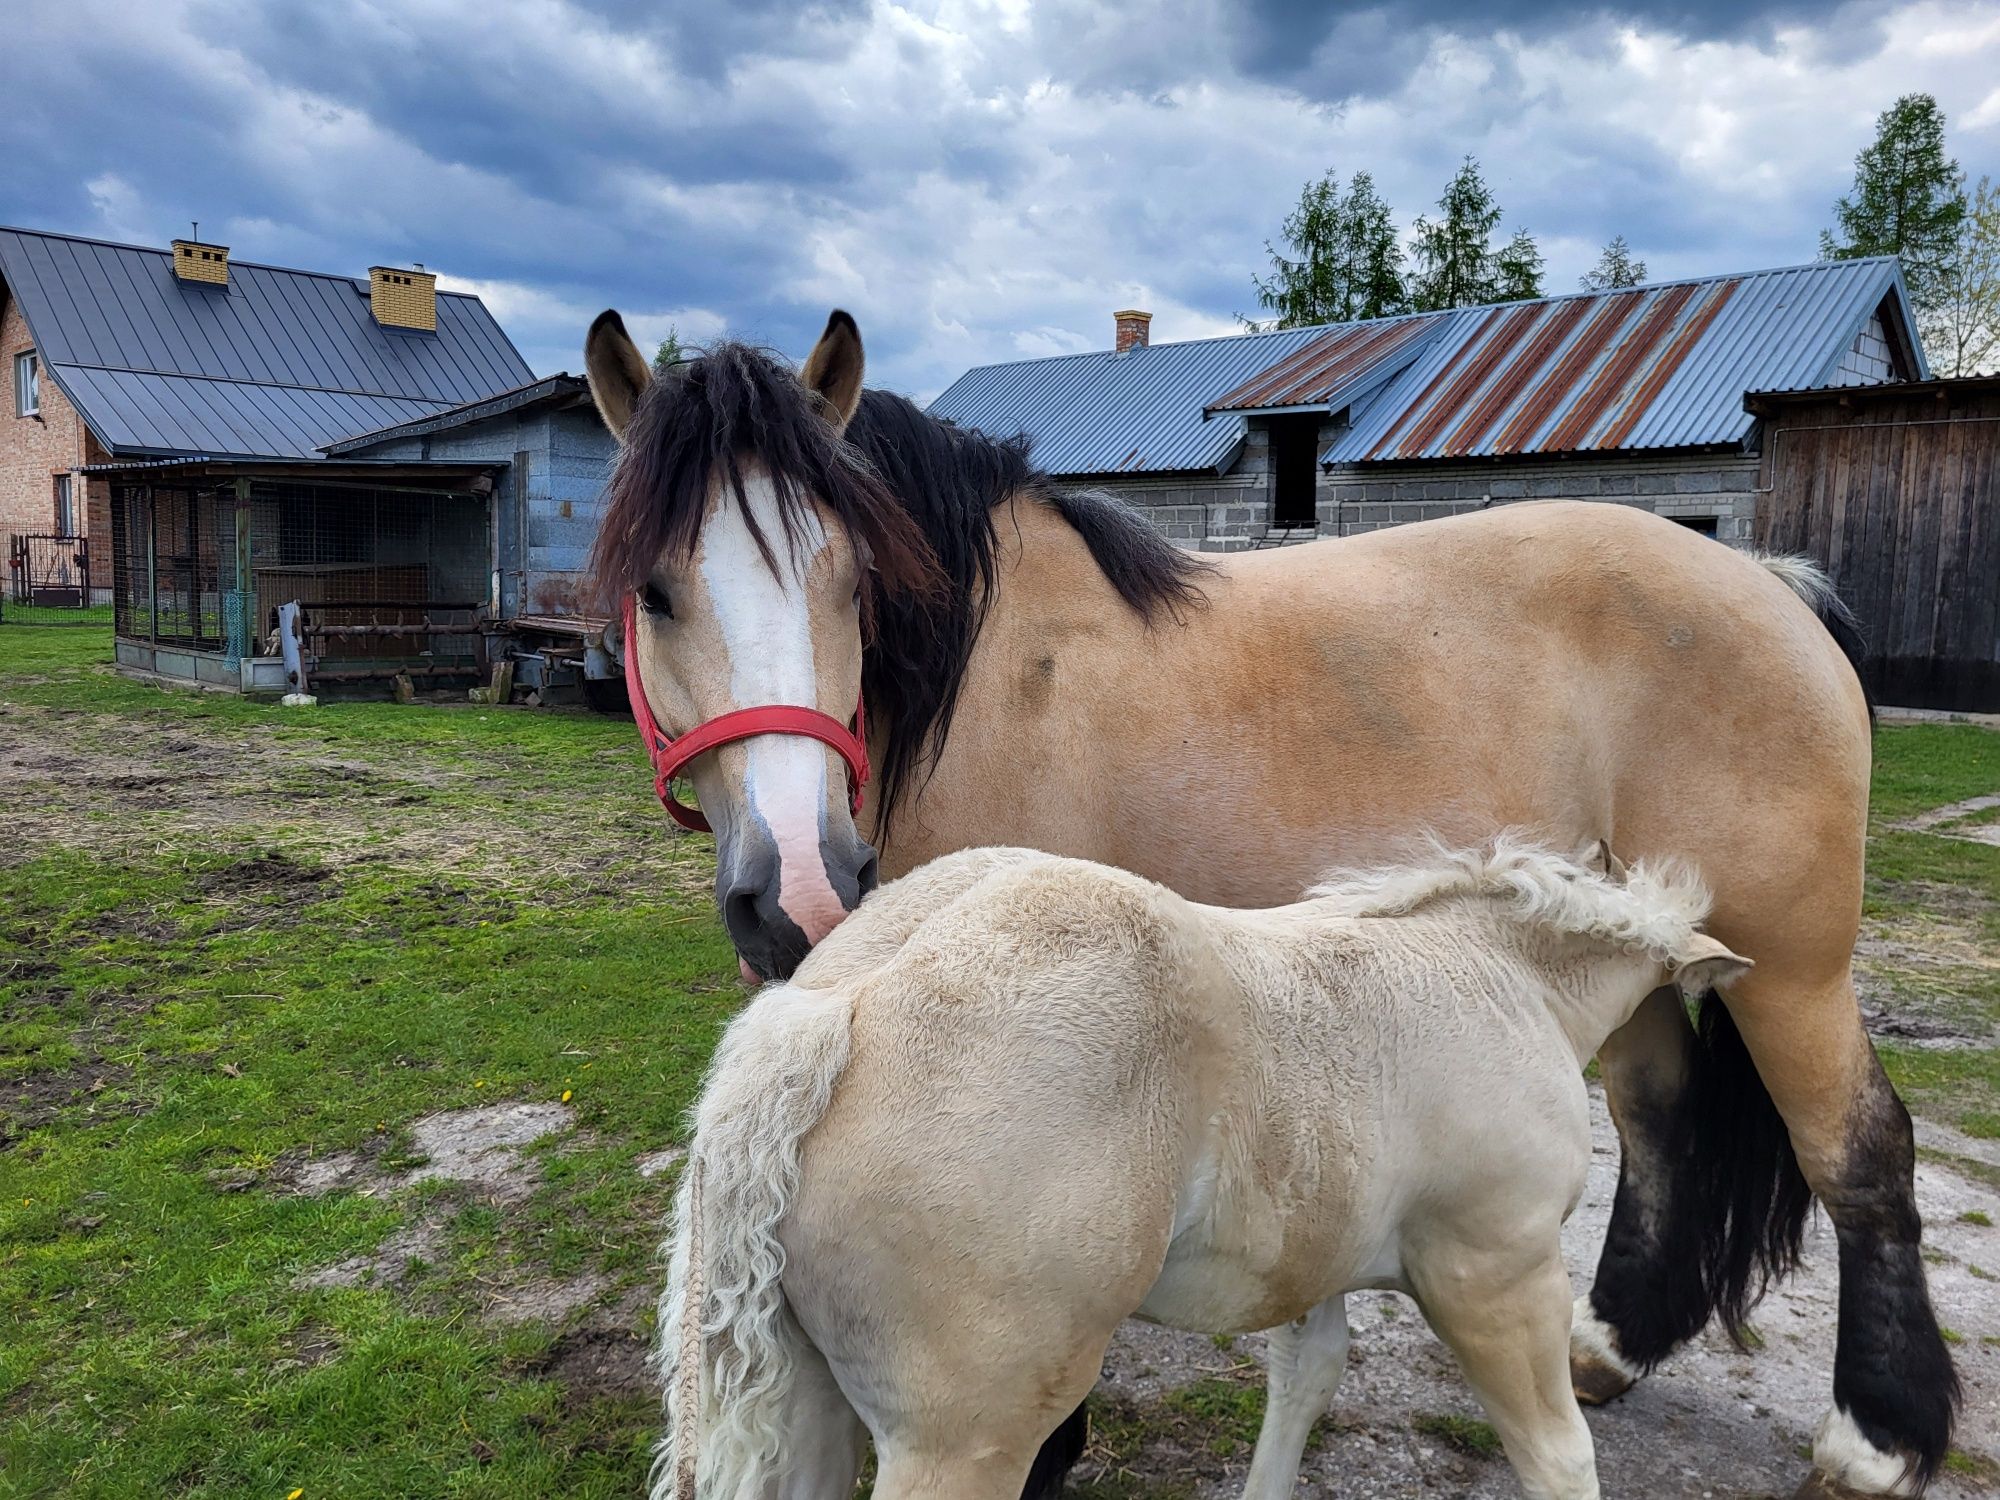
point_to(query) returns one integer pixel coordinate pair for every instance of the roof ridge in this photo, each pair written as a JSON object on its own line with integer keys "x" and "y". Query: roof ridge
{"x": 251, "y": 265}
{"x": 1643, "y": 286}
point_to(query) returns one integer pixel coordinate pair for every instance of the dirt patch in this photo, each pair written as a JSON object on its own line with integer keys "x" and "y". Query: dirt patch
{"x": 593, "y": 1362}
{"x": 544, "y": 1299}
{"x": 270, "y": 876}
{"x": 80, "y": 1095}
{"x": 480, "y": 1148}
{"x": 389, "y": 1263}
{"x": 104, "y": 783}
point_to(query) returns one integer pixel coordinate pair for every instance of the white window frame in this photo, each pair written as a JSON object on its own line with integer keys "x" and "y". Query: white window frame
{"x": 65, "y": 505}
{"x": 27, "y": 384}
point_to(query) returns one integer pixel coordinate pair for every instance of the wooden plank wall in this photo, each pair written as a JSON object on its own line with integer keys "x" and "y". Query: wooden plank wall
{"x": 1898, "y": 496}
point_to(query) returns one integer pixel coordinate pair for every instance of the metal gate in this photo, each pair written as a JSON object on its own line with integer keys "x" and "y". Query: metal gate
{"x": 48, "y": 582}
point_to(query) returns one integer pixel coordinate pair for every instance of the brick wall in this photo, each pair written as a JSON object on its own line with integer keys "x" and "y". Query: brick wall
{"x": 33, "y": 450}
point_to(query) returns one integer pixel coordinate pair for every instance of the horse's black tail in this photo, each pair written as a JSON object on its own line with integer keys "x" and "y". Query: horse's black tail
{"x": 1744, "y": 1189}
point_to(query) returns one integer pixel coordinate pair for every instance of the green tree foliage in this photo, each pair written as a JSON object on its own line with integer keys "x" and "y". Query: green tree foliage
{"x": 1457, "y": 263}
{"x": 1961, "y": 327}
{"x": 1616, "y": 267}
{"x": 1518, "y": 269}
{"x": 1345, "y": 262}
{"x": 669, "y": 353}
{"x": 1455, "y": 259}
{"x": 1908, "y": 198}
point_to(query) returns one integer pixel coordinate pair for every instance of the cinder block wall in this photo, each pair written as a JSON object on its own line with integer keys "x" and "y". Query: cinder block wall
{"x": 1688, "y": 487}
{"x": 1233, "y": 512}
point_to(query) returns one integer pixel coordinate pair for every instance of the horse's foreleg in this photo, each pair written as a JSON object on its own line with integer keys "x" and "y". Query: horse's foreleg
{"x": 1648, "y": 1296}
{"x": 1508, "y": 1325}
{"x": 1894, "y": 1389}
{"x": 1306, "y": 1359}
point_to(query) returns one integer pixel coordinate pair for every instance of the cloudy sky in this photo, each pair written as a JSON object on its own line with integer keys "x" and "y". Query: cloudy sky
{"x": 976, "y": 180}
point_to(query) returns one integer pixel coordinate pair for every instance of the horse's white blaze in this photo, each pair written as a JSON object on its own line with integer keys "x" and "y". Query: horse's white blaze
{"x": 767, "y": 634}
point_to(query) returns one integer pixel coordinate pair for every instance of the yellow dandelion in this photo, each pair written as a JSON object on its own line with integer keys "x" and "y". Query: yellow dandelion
{"x": 565, "y": 1097}
{"x": 479, "y": 1083}
{"x": 294, "y": 1495}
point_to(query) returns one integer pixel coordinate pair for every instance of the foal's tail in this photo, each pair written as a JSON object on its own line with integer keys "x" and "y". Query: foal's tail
{"x": 730, "y": 1367}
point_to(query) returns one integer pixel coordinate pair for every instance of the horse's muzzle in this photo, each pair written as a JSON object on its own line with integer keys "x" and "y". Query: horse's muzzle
{"x": 773, "y": 934}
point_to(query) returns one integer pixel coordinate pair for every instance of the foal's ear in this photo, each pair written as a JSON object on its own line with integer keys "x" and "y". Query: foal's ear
{"x": 834, "y": 367}
{"x": 617, "y": 371}
{"x": 1707, "y": 965}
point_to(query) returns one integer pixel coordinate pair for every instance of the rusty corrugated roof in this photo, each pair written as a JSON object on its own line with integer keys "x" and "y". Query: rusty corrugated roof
{"x": 1332, "y": 365}
{"x": 1661, "y": 366}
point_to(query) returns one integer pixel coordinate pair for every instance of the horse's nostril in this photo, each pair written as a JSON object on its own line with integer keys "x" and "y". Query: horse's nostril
{"x": 739, "y": 913}
{"x": 867, "y": 876}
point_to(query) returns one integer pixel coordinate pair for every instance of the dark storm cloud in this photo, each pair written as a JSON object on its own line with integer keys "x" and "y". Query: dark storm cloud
{"x": 976, "y": 179}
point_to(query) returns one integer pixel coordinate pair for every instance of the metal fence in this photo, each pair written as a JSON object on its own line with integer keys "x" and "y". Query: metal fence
{"x": 48, "y": 582}
{"x": 388, "y": 579}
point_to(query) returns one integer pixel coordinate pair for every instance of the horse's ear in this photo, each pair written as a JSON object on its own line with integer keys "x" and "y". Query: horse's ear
{"x": 617, "y": 371}
{"x": 834, "y": 368}
{"x": 1707, "y": 965}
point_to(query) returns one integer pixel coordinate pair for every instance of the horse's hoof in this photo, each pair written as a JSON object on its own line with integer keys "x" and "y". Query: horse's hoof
{"x": 1820, "y": 1485}
{"x": 1595, "y": 1380}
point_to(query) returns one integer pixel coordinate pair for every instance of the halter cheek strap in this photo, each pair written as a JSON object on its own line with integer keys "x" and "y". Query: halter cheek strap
{"x": 669, "y": 755}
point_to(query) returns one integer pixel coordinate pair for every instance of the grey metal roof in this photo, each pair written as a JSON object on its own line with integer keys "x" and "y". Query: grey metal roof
{"x": 277, "y": 364}
{"x": 1659, "y": 366}
{"x": 1130, "y": 413}
{"x": 563, "y": 387}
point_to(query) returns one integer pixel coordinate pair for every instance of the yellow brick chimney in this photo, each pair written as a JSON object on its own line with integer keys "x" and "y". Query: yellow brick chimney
{"x": 403, "y": 299}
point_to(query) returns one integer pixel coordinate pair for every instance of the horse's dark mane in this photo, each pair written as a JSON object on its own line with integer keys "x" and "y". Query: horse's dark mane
{"x": 921, "y": 493}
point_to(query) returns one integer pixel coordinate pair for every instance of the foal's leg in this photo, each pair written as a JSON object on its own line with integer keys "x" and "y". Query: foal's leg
{"x": 1507, "y": 1320}
{"x": 974, "y": 1430}
{"x": 1306, "y": 1359}
{"x": 1648, "y": 1296}
{"x": 824, "y": 1440}
{"x": 1894, "y": 1389}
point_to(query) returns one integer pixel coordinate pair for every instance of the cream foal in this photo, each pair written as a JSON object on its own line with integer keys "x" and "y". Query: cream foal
{"x": 1018, "y": 1098}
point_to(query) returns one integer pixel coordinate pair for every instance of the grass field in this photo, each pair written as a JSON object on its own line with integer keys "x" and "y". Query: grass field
{"x": 336, "y": 1047}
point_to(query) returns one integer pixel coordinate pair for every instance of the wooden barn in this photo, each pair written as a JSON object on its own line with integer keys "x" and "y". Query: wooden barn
{"x": 1896, "y": 491}
{"x": 1632, "y": 396}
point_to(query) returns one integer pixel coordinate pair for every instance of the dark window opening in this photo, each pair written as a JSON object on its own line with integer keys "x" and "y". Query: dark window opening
{"x": 1294, "y": 469}
{"x": 1704, "y": 524}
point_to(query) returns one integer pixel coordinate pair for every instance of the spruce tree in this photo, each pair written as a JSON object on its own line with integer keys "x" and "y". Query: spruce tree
{"x": 1456, "y": 265}
{"x": 1616, "y": 267}
{"x": 1345, "y": 262}
{"x": 1908, "y": 198}
{"x": 1517, "y": 269}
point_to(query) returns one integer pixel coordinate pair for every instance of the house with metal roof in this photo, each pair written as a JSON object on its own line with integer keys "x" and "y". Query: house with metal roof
{"x": 172, "y": 411}
{"x": 1634, "y": 395}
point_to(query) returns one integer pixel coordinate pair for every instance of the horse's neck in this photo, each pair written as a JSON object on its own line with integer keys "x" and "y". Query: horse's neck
{"x": 1592, "y": 990}
{"x": 1045, "y": 576}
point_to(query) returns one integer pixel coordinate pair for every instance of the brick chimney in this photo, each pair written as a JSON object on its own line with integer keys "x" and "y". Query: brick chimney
{"x": 1132, "y": 328}
{"x": 196, "y": 261}
{"x": 403, "y": 299}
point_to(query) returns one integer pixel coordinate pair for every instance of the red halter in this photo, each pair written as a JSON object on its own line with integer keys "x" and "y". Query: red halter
{"x": 669, "y": 755}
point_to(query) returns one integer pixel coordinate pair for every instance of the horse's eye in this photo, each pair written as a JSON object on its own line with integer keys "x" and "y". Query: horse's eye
{"x": 655, "y": 601}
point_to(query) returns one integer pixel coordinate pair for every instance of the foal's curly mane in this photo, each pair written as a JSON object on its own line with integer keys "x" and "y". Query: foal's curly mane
{"x": 921, "y": 493}
{"x": 1653, "y": 910}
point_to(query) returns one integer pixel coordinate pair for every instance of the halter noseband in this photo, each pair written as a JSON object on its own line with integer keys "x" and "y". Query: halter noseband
{"x": 669, "y": 755}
